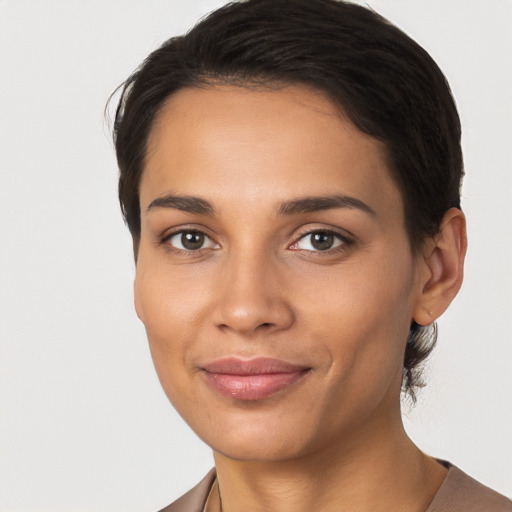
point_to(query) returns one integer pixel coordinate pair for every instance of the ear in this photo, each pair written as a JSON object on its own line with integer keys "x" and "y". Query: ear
{"x": 442, "y": 266}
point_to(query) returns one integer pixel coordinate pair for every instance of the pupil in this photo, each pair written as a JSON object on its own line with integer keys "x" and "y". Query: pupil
{"x": 192, "y": 240}
{"x": 322, "y": 241}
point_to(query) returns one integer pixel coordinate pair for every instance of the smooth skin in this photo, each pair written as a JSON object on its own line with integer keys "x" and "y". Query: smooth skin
{"x": 233, "y": 262}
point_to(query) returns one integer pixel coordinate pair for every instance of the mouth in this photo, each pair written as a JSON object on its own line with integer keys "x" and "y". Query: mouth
{"x": 253, "y": 379}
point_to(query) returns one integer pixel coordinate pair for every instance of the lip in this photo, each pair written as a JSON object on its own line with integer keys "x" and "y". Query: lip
{"x": 252, "y": 379}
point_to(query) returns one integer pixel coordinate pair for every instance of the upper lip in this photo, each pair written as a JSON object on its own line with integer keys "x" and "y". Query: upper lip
{"x": 254, "y": 366}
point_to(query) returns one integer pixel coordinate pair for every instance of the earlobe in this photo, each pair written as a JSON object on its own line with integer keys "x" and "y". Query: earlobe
{"x": 443, "y": 268}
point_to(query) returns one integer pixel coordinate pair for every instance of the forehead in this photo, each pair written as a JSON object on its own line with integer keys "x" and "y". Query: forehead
{"x": 257, "y": 145}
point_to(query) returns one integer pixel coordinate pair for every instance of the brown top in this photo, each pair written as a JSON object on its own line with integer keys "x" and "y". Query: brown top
{"x": 458, "y": 493}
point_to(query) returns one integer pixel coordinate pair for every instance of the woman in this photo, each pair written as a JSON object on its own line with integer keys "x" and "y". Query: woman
{"x": 290, "y": 175}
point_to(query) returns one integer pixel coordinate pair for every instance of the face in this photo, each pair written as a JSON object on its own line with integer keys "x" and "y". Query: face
{"x": 274, "y": 276}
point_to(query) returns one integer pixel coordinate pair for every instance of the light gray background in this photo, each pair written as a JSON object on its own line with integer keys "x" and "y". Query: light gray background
{"x": 84, "y": 425}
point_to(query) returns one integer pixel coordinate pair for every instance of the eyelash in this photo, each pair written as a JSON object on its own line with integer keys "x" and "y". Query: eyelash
{"x": 345, "y": 241}
{"x": 187, "y": 252}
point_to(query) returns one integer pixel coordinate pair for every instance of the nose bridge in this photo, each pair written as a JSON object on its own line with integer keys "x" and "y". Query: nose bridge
{"x": 252, "y": 296}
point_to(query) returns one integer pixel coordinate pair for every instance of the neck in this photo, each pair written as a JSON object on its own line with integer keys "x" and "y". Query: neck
{"x": 380, "y": 469}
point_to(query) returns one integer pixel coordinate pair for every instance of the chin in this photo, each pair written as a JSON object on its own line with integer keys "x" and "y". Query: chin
{"x": 257, "y": 435}
{"x": 269, "y": 449}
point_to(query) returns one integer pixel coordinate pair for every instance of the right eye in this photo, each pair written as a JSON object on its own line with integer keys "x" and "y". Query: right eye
{"x": 190, "y": 240}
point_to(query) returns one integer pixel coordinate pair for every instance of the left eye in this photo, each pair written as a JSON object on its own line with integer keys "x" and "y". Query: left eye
{"x": 191, "y": 241}
{"x": 318, "y": 241}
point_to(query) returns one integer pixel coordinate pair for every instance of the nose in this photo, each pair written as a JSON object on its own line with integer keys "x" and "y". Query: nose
{"x": 252, "y": 297}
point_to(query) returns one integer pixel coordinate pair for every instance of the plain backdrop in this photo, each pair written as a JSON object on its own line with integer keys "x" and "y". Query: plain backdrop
{"x": 84, "y": 425}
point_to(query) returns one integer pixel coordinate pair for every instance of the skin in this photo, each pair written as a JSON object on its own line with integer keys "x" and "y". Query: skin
{"x": 334, "y": 440}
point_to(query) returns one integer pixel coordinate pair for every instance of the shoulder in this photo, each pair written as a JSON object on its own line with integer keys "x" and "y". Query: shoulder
{"x": 461, "y": 493}
{"x": 193, "y": 500}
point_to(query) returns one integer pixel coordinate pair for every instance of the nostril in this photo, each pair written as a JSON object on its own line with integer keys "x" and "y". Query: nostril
{"x": 251, "y": 313}
{"x": 264, "y": 326}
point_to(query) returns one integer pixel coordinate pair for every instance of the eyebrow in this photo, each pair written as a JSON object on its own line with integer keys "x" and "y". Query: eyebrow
{"x": 189, "y": 204}
{"x": 308, "y": 204}
{"x": 317, "y": 203}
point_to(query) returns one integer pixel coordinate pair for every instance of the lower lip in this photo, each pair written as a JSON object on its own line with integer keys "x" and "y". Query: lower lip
{"x": 252, "y": 387}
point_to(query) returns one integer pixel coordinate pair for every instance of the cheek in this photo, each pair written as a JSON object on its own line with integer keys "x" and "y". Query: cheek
{"x": 169, "y": 300}
{"x": 170, "y": 308}
{"x": 362, "y": 323}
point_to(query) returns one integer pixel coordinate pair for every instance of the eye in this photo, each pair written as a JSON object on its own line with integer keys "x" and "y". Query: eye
{"x": 321, "y": 240}
{"x": 190, "y": 240}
